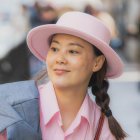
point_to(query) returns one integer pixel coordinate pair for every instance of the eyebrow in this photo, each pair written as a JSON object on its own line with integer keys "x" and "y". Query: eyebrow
{"x": 55, "y": 41}
{"x": 72, "y": 43}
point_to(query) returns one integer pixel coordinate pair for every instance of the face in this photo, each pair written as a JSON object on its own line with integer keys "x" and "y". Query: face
{"x": 70, "y": 61}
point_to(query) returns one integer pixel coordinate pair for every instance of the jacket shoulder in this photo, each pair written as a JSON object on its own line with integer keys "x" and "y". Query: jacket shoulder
{"x": 18, "y": 92}
{"x": 19, "y": 110}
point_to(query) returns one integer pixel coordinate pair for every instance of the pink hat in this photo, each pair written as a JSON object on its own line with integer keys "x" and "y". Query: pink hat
{"x": 81, "y": 25}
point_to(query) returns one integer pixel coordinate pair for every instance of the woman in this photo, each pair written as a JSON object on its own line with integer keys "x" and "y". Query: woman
{"x": 78, "y": 56}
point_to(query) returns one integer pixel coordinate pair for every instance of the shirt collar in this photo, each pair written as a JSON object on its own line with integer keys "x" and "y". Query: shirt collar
{"x": 49, "y": 104}
{"x": 48, "y": 101}
{"x": 87, "y": 109}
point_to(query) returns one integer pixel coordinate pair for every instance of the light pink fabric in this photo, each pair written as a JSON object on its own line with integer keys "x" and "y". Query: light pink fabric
{"x": 82, "y": 128}
{"x": 3, "y": 135}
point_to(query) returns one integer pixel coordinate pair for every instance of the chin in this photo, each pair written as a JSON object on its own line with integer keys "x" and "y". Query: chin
{"x": 61, "y": 83}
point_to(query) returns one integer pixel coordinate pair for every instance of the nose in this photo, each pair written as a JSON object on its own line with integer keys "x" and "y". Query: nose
{"x": 61, "y": 59}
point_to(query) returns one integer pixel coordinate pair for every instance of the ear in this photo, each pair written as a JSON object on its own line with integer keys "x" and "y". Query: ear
{"x": 98, "y": 63}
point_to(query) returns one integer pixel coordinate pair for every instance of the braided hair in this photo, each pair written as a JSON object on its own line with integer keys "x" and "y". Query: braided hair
{"x": 99, "y": 86}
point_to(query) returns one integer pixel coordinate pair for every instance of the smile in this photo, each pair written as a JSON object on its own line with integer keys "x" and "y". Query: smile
{"x": 61, "y": 71}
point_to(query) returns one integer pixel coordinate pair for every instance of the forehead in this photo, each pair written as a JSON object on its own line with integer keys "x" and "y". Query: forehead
{"x": 67, "y": 37}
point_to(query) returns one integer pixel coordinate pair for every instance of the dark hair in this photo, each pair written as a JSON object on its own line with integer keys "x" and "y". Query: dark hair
{"x": 99, "y": 86}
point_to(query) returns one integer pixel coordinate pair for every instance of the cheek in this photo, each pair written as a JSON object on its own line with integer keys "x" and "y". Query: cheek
{"x": 89, "y": 61}
{"x": 49, "y": 59}
{"x": 75, "y": 62}
{"x": 49, "y": 63}
{"x": 83, "y": 64}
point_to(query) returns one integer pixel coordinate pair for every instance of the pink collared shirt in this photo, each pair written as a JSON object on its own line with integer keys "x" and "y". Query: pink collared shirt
{"x": 82, "y": 128}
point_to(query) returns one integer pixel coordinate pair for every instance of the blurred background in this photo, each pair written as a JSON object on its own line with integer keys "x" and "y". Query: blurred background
{"x": 122, "y": 17}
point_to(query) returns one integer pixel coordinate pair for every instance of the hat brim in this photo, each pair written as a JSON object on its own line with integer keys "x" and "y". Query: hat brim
{"x": 38, "y": 41}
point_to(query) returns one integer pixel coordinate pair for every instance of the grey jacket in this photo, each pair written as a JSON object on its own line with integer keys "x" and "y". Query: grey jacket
{"x": 19, "y": 110}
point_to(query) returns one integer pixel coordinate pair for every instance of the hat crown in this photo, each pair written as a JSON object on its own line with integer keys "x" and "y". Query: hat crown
{"x": 81, "y": 25}
{"x": 85, "y": 23}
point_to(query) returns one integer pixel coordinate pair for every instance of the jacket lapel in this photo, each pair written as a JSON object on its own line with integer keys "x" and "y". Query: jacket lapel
{"x": 8, "y": 115}
{"x": 12, "y": 94}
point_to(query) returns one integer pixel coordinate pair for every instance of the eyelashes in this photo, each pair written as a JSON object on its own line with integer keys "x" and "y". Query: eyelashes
{"x": 73, "y": 52}
{"x": 54, "y": 49}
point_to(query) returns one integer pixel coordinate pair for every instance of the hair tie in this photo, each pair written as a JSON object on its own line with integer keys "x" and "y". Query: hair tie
{"x": 107, "y": 113}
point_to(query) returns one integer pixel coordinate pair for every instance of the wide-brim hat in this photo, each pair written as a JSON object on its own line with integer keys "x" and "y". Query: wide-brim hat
{"x": 81, "y": 25}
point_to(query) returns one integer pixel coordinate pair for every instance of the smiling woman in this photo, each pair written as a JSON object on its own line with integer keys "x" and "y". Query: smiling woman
{"x": 70, "y": 63}
{"x": 78, "y": 56}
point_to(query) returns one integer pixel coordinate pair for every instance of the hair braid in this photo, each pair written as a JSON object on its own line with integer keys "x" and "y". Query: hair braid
{"x": 99, "y": 90}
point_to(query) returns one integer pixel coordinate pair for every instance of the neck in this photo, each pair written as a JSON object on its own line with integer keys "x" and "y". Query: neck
{"x": 68, "y": 97}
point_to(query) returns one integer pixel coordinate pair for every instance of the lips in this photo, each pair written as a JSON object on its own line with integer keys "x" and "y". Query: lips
{"x": 61, "y": 71}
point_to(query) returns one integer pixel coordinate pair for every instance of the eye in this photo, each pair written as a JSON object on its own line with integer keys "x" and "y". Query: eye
{"x": 54, "y": 49}
{"x": 73, "y": 52}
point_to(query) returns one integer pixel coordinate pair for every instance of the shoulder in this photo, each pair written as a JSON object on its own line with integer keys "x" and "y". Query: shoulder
{"x": 17, "y": 92}
{"x": 105, "y": 133}
{"x": 19, "y": 106}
